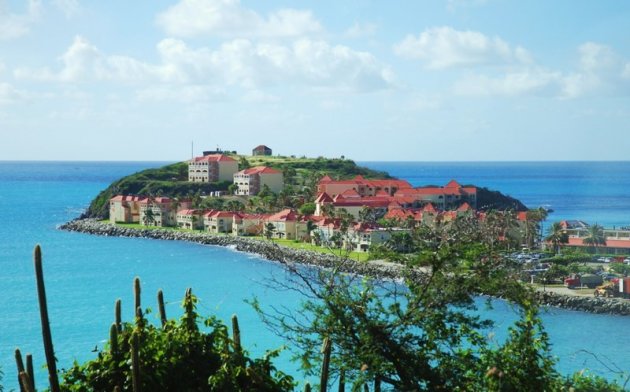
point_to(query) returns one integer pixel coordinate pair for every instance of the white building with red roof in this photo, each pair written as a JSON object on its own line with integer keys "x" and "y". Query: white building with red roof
{"x": 288, "y": 225}
{"x": 360, "y": 185}
{"x": 212, "y": 168}
{"x": 219, "y": 221}
{"x": 190, "y": 219}
{"x": 250, "y": 181}
{"x": 125, "y": 209}
{"x": 161, "y": 211}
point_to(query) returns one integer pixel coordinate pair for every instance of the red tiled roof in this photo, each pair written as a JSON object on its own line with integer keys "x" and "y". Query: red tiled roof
{"x": 452, "y": 184}
{"x": 284, "y": 215}
{"x": 262, "y": 146}
{"x": 464, "y": 207}
{"x": 610, "y": 243}
{"x": 323, "y": 198}
{"x": 325, "y": 179}
{"x": 127, "y": 198}
{"x": 213, "y": 158}
{"x": 189, "y": 212}
{"x": 429, "y": 208}
{"x": 350, "y": 193}
{"x": 259, "y": 170}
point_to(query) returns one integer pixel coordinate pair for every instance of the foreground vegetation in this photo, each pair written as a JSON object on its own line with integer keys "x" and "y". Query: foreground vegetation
{"x": 420, "y": 334}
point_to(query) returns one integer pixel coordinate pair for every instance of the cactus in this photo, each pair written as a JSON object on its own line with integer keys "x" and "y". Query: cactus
{"x": 20, "y": 366}
{"x": 113, "y": 340}
{"x": 377, "y": 384}
{"x": 117, "y": 315}
{"x": 136, "y": 293}
{"x": 139, "y": 318}
{"x": 236, "y": 334}
{"x": 115, "y": 352}
{"x": 161, "y": 308}
{"x": 326, "y": 349}
{"x": 135, "y": 361}
{"x": 307, "y": 387}
{"x": 29, "y": 370}
{"x": 43, "y": 310}
{"x": 24, "y": 382}
{"x": 342, "y": 381}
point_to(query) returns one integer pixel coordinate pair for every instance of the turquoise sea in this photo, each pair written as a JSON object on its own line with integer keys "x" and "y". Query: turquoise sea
{"x": 86, "y": 274}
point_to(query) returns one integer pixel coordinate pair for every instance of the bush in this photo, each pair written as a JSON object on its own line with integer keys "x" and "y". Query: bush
{"x": 177, "y": 356}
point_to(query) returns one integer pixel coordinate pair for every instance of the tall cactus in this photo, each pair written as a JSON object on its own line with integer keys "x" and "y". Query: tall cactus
{"x": 43, "y": 310}
{"x": 20, "y": 366}
{"x": 342, "y": 381}
{"x": 118, "y": 315}
{"x": 29, "y": 370}
{"x": 161, "y": 308}
{"x": 326, "y": 349}
{"x": 236, "y": 334}
{"x": 135, "y": 361}
{"x": 136, "y": 293}
{"x": 24, "y": 382}
{"x": 115, "y": 352}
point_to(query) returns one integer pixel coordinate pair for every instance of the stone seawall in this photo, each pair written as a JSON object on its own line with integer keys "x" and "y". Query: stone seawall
{"x": 266, "y": 249}
{"x": 272, "y": 251}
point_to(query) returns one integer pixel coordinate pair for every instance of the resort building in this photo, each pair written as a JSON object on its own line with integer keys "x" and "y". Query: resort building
{"x": 212, "y": 168}
{"x": 448, "y": 197}
{"x": 218, "y": 221}
{"x": 261, "y": 150}
{"x": 287, "y": 225}
{"x": 250, "y": 181}
{"x": 190, "y": 219}
{"x": 248, "y": 224}
{"x": 361, "y": 186}
{"x": 161, "y": 211}
{"x": 125, "y": 209}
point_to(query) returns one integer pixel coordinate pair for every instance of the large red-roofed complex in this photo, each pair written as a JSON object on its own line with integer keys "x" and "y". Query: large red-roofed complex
{"x": 212, "y": 168}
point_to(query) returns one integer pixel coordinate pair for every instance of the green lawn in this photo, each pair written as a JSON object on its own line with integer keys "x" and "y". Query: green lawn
{"x": 359, "y": 256}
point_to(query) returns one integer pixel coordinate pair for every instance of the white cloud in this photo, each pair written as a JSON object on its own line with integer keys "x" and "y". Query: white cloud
{"x": 82, "y": 61}
{"x": 360, "y": 30}
{"x": 530, "y": 81}
{"x": 229, "y": 18}
{"x": 8, "y": 94}
{"x": 239, "y": 62}
{"x": 598, "y": 71}
{"x": 70, "y": 8}
{"x": 443, "y": 47}
{"x": 14, "y": 25}
{"x": 258, "y": 96}
{"x": 185, "y": 94}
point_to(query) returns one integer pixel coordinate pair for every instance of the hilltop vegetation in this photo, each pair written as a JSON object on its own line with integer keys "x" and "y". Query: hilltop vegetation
{"x": 172, "y": 180}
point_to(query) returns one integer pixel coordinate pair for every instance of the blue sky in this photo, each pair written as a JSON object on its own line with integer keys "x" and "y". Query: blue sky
{"x": 452, "y": 80}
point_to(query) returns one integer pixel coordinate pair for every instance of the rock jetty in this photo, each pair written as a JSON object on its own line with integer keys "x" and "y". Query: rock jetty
{"x": 266, "y": 249}
{"x": 289, "y": 256}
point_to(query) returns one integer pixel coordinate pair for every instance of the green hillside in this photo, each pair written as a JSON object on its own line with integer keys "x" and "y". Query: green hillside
{"x": 172, "y": 180}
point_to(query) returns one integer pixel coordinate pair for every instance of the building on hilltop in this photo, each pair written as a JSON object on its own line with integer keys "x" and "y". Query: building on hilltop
{"x": 212, "y": 168}
{"x": 261, "y": 150}
{"x": 250, "y": 181}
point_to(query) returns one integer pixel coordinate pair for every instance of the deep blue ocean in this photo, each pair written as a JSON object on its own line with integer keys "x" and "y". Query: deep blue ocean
{"x": 86, "y": 274}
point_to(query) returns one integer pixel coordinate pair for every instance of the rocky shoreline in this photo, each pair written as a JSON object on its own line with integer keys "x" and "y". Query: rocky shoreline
{"x": 290, "y": 256}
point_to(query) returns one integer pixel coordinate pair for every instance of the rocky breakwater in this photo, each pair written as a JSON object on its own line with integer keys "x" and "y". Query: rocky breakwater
{"x": 585, "y": 303}
{"x": 266, "y": 249}
{"x": 290, "y": 257}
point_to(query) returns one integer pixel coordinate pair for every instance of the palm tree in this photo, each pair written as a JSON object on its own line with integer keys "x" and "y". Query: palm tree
{"x": 269, "y": 230}
{"x": 533, "y": 221}
{"x": 310, "y": 226}
{"x": 149, "y": 217}
{"x": 557, "y": 236}
{"x": 595, "y": 237}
